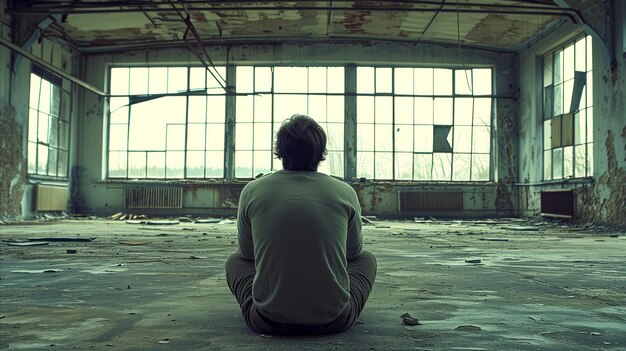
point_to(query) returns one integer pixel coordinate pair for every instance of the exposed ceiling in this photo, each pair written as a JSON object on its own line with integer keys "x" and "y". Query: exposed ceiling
{"x": 96, "y": 26}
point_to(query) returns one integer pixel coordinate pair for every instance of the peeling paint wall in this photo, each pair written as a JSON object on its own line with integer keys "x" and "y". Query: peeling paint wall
{"x": 603, "y": 199}
{"x": 95, "y": 194}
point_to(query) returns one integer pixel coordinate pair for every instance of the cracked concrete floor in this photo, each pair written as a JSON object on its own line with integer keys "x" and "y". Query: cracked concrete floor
{"x": 538, "y": 286}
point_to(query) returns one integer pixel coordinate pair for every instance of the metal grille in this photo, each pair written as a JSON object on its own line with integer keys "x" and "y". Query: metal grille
{"x": 51, "y": 198}
{"x": 153, "y": 197}
{"x": 430, "y": 201}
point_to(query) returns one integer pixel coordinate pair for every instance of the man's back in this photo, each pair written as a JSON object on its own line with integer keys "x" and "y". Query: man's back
{"x": 300, "y": 228}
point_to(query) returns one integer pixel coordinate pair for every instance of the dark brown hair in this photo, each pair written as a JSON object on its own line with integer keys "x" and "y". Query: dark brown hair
{"x": 300, "y": 144}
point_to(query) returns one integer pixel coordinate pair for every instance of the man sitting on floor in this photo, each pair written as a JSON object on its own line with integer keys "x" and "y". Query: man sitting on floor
{"x": 300, "y": 268}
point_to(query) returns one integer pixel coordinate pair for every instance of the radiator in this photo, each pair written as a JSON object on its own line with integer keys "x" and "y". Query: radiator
{"x": 409, "y": 201}
{"x": 51, "y": 197}
{"x": 153, "y": 197}
{"x": 557, "y": 203}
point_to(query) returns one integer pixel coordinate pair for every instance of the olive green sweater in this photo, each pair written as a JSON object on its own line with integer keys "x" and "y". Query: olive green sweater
{"x": 300, "y": 228}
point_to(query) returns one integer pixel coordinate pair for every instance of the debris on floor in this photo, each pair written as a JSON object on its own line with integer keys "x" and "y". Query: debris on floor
{"x": 407, "y": 319}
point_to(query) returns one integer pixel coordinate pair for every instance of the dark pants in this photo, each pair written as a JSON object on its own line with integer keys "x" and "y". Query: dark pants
{"x": 240, "y": 275}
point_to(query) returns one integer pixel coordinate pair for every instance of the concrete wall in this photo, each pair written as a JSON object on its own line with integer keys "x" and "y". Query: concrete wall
{"x": 16, "y": 186}
{"x": 603, "y": 198}
{"x": 94, "y": 194}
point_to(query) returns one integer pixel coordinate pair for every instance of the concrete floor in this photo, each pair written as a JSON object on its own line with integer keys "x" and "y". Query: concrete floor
{"x": 162, "y": 287}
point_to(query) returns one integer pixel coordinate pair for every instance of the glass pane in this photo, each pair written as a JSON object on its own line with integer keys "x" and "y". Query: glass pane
{"x": 262, "y": 162}
{"x": 290, "y": 79}
{"x": 176, "y": 79}
{"x": 32, "y": 157}
{"x": 317, "y": 107}
{"x": 383, "y": 80}
{"x": 422, "y": 166}
{"x": 547, "y": 165}
{"x": 580, "y": 55}
{"x": 463, "y": 82}
{"x": 558, "y": 67}
{"x": 243, "y": 164}
{"x": 243, "y": 136}
{"x": 404, "y": 110}
{"x": 195, "y": 164}
{"x": 136, "y": 164}
{"x": 589, "y": 53}
{"x": 383, "y": 165}
{"x": 403, "y": 81}
{"x": 262, "y": 79}
{"x": 424, "y": 110}
{"x": 286, "y": 106}
{"x": 404, "y": 139}
{"x": 175, "y": 164}
{"x": 384, "y": 109}
{"x": 334, "y": 136}
{"x": 482, "y": 81}
{"x": 52, "y": 161}
{"x": 480, "y": 167}
{"x": 64, "y": 113}
{"x": 317, "y": 80}
{"x": 117, "y": 164}
{"x": 138, "y": 80}
{"x": 580, "y": 160}
{"x": 335, "y": 111}
{"x": 215, "y": 137}
{"x": 42, "y": 129}
{"x": 365, "y": 137}
{"x": 365, "y": 80}
{"x": 442, "y": 164}
{"x": 557, "y": 163}
{"x": 197, "y": 109}
{"x": 423, "y": 138}
{"x": 404, "y": 166}
{"x": 119, "y": 80}
{"x": 568, "y": 161}
{"x": 196, "y": 137}
{"x": 335, "y": 78}
{"x": 589, "y": 86}
{"x": 118, "y": 136}
{"x": 365, "y": 109}
{"x": 263, "y": 137}
{"x": 214, "y": 80}
{"x": 481, "y": 139}
{"x": 216, "y": 109}
{"x": 384, "y": 137}
{"x": 35, "y": 83}
{"x": 214, "y": 164}
{"x": 175, "y": 137}
{"x": 245, "y": 109}
{"x": 568, "y": 63}
{"x": 443, "y": 111}
{"x": 55, "y": 100}
{"x": 462, "y": 139}
{"x": 589, "y": 159}
{"x": 547, "y": 134}
{"x": 461, "y": 167}
{"x": 32, "y": 125}
{"x": 423, "y": 80}
{"x": 482, "y": 111}
{"x": 568, "y": 89}
{"x": 463, "y": 111}
{"x": 365, "y": 165}
{"x": 333, "y": 164}
{"x": 558, "y": 100}
{"x": 589, "y": 125}
{"x": 547, "y": 70}
{"x": 580, "y": 123}
{"x": 119, "y": 114}
{"x": 62, "y": 170}
{"x": 443, "y": 81}
{"x": 156, "y": 165}
{"x": 197, "y": 78}
{"x": 158, "y": 80}
{"x": 245, "y": 79}
{"x": 263, "y": 108}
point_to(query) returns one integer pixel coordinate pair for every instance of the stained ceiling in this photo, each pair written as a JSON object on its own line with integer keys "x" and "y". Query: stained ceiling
{"x": 97, "y": 26}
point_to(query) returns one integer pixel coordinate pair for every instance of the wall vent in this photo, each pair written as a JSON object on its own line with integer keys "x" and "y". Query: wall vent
{"x": 557, "y": 203}
{"x": 430, "y": 201}
{"x": 51, "y": 197}
{"x": 153, "y": 197}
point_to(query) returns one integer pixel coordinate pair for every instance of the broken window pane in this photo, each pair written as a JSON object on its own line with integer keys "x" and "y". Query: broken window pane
{"x": 384, "y": 165}
{"x": 442, "y": 164}
{"x": 195, "y": 164}
{"x": 480, "y": 167}
{"x": 404, "y": 166}
{"x": 442, "y": 138}
{"x": 175, "y": 164}
{"x": 578, "y": 89}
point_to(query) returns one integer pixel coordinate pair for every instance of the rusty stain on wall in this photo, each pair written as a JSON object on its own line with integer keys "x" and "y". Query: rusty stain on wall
{"x": 13, "y": 170}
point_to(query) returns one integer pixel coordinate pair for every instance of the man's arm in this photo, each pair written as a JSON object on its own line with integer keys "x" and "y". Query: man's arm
{"x": 354, "y": 242}
{"x": 244, "y": 228}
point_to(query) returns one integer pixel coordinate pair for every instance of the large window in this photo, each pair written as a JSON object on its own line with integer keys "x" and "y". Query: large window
{"x": 266, "y": 96}
{"x": 166, "y": 122}
{"x": 48, "y": 125}
{"x": 568, "y": 111}
{"x": 424, "y": 123}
